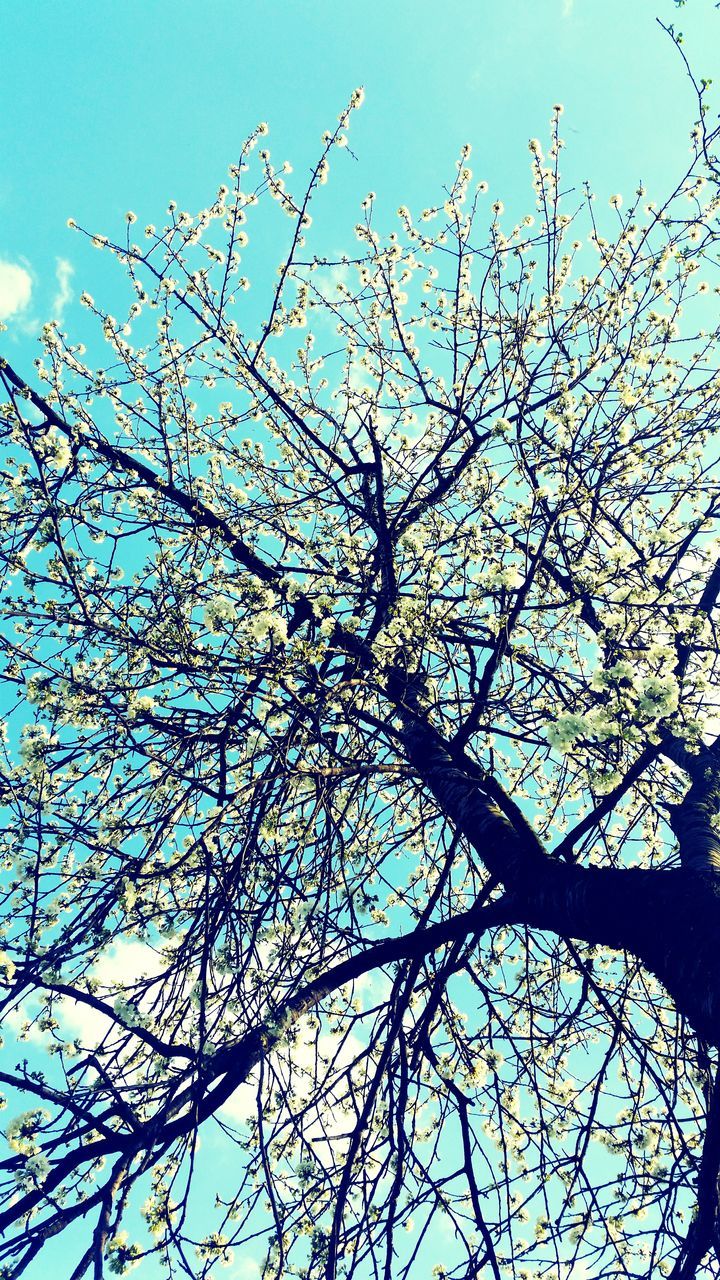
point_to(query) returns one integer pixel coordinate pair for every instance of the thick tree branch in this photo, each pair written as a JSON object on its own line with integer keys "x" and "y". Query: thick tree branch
{"x": 231, "y": 1066}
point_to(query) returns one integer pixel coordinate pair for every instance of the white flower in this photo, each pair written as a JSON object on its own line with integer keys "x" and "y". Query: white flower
{"x": 270, "y": 624}
{"x": 292, "y": 588}
{"x": 36, "y": 1169}
{"x": 599, "y": 724}
{"x": 21, "y": 1132}
{"x": 566, "y": 730}
{"x": 55, "y": 449}
{"x": 659, "y": 695}
{"x": 128, "y": 1013}
{"x": 605, "y": 782}
{"x": 494, "y": 1059}
{"x": 218, "y": 613}
{"x": 512, "y": 577}
{"x": 143, "y": 702}
{"x": 34, "y": 744}
{"x": 604, "y": 677}
{"x": 501, "y": 426}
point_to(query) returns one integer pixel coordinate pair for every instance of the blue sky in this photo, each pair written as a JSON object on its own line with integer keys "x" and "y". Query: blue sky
{"x": 108, "y": 107}
{"x": 115, "y": 106}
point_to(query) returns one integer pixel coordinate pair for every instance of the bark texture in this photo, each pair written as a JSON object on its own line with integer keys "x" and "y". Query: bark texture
{"x": 669, "y": 919}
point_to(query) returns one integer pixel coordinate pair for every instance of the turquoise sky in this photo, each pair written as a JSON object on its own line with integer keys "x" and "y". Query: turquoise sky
{"x": 109, "y": 106}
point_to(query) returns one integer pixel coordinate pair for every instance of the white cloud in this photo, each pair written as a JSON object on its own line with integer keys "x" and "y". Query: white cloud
{"x": 568, "y": 6}
{"x": 63, "y": 274}
{"x": 312, "y": 1065}
{"x": 122, "y": 965}
{"x": 119, "y": 968}
{"x": 14, "y": 1020}
{"x": 127, "y": 961}
{"x": 241, "y": 1106}
{"x": 710, "y": 722}
{"x": 245, "y": 1269}
{"x": 327, "y": 279}
{"x": 15, "y": 289}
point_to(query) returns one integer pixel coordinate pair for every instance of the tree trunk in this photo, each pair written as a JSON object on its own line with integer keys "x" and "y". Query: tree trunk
{"x": 669, "y": 919}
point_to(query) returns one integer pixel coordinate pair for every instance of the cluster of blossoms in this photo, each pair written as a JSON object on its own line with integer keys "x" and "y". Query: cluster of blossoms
{"x": 215, "y": 1247}
{"x": 218, "y": 613}
{"x": 34, "y": 745}
{"x": 223, "y": 612}
{"x": 22, "y": 1136}
{"x": 22, "y": 1130}
{"x": 633, "y": 698}
{"x": 508, "y": 576}
{"x": 54, "y": 449}
{"x": 122, "y": 1256}
{"x": 38, "y": 691}
{"x": 411, "y": 627}
{"x": 269, "y": 624}
{"x": 139, "y": 704}
{"x": 128, "y": 1013}
{"x": 34, "y": 1171}
{"x": 564, "y": 732}
{"x": 654, "y": 695}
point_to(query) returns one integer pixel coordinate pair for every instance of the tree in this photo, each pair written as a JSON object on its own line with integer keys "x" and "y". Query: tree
{"x": 362, "y": 761}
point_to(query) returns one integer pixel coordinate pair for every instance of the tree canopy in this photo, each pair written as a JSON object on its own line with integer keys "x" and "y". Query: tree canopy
{"x": 360, "y": 843}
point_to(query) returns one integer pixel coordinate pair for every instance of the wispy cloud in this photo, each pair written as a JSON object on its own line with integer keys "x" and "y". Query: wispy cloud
{"x": 122, "y": 965}
{"x": 245, "y": 1269}
{"x": 15, "y": 289}
{"x": 568, "y": 6}
{"x": 63, "y": 274}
